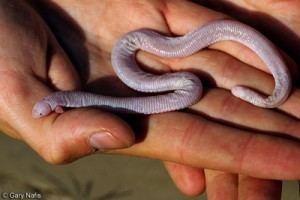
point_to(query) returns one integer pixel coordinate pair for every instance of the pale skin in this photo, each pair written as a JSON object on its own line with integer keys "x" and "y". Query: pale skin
{"x": 195, "y": 141}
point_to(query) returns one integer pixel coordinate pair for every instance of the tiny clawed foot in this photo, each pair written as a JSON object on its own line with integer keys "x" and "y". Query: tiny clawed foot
{"x": 59, "y": 109}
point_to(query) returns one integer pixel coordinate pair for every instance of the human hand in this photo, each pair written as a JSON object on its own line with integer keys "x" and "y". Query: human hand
{"x": 183, "y": 144}
{"x": 279, "y": 21}
{"x": 33, "y": 64}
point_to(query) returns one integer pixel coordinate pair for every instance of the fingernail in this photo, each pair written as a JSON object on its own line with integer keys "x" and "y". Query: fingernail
{"x": 105, "y": 141}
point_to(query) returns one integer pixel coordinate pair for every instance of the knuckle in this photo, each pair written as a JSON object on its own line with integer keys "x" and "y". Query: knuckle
{"x": 55, "y": 154}
{"x": 192, "y": 132}
{"x": 230, "y": 70}
{"x": 64, "y": 148}
{"x": 54, "y": 158}
{"x": 229, "y": 105}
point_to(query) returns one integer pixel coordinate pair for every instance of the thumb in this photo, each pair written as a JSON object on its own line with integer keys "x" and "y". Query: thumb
{"x": 75, "y": 133}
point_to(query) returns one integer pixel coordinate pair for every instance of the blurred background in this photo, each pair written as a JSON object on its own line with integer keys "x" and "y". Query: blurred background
{"x": 97, "y": 177}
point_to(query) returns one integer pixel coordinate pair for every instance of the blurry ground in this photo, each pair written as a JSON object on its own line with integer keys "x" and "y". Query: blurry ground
{"x": 98, "y": 177}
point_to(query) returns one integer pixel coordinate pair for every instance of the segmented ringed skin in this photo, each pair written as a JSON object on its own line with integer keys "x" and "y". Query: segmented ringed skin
{"x": 186, "y": 87}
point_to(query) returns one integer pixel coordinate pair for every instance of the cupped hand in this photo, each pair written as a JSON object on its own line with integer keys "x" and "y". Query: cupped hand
{"x": 32, "y": 66}
{"x": 220, "y": 132}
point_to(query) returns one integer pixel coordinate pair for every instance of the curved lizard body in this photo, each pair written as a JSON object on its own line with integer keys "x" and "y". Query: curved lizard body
{"x": 184, "y": 88}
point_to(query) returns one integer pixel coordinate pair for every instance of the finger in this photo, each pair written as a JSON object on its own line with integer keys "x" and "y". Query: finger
{"x": 221, "y": 185}
{"x": 78, "y": 133}
{"x": 228, "y": 72}
{"x": 268, "y": 17}
{"x": 200, "y": 143}
{"x": 178, "y": 13}
{"x": 189, "y": 180}
{"x": 61, "y": 72}
{"x": 235, "y": 112}
{"x": 193, "y": 18}
{"x": 259, "y": 189}
{"x": 247, "y": 56}
{"x": 184, "y": 17}
{"x": 268, "y": 6}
